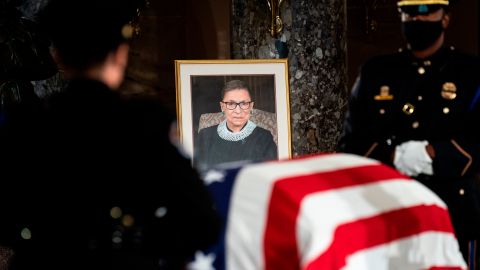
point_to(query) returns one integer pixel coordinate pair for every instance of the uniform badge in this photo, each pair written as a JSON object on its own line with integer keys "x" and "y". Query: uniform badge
{"x": 384, "y": 93}
{"x": 449, "y": 91}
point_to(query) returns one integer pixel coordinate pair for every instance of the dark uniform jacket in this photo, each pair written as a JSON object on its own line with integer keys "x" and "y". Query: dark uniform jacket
{"x": 398, "y": 98}
{"x": 102, "y": 187}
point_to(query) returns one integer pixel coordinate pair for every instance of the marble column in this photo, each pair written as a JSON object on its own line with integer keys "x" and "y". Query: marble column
{"x": 43, "y": 88}
{"x": 315, "y": 35}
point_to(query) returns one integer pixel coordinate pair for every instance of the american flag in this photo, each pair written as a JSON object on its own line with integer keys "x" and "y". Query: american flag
{"x": 331, "y": 211}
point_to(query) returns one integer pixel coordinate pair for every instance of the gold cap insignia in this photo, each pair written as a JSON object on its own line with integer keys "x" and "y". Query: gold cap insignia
{"x": 384, "y": 93}
{"x": 449, "y": 91}
{"x": 408, "y": 108}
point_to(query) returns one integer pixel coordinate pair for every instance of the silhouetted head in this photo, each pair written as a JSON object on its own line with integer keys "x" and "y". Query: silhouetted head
{"x": 83, "y": 32}
{"x": 424, "y": 23}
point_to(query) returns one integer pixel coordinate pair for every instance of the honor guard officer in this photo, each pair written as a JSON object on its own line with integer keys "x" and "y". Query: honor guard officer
{"x": 418, "y": 110}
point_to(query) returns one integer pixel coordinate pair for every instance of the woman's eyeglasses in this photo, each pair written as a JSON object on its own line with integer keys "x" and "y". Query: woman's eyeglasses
{"x": 244, "y": 105}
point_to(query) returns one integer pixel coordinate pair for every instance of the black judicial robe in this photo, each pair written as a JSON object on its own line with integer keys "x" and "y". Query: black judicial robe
{"x": 212, "y": 150}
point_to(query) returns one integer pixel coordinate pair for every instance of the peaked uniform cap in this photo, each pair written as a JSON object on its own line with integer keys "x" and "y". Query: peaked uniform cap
{"x": 403, "y": 3}
{"x": 421, "y": 7}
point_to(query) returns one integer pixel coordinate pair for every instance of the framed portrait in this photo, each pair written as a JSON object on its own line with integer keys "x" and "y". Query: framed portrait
{"x": 227, "y": 107}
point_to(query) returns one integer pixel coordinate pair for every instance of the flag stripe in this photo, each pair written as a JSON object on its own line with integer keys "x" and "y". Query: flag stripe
{"x": 251, "y": 195}
{"x": 445, "y": 268}
{"x": 288, "y": 214}
{"x": 380, "y": 229}
{"x": 422, "y": 251}
{"x": 350, "y": 204}
{"x": 280, "y": 241}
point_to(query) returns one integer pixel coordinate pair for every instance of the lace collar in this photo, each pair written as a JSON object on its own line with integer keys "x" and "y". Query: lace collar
{"x": 227, "y": 135}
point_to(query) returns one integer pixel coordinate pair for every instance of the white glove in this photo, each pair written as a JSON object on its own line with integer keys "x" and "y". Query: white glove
{"x": 411, "y": 158}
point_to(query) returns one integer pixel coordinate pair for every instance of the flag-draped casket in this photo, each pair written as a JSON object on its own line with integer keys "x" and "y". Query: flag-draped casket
{"x": 333, "y": 211}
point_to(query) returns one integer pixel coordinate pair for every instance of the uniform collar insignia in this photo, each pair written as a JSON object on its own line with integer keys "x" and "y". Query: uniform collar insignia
{"x": 384, "y": 93}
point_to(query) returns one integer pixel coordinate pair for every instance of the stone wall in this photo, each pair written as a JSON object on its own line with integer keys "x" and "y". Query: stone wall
{"x": 315, "y": 35}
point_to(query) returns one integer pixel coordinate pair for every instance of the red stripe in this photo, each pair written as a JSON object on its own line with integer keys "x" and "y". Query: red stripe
{"x": 380, "y": 229}
{"x": 445, "y": 268}
{"x": 280, "y": 246}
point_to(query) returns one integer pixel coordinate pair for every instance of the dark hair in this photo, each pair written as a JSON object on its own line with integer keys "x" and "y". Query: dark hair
{"x": 24, "y": 51}
{"x": 84, "y": 31}
{"x": 234, "y": 85}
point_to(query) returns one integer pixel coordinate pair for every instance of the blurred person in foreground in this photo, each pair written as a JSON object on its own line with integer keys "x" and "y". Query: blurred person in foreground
{"x": 103, "y": 188}
{"x": 418, "y": 109}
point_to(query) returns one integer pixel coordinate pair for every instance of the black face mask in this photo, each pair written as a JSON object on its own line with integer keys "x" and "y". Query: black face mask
{"x": 421, "y": 34}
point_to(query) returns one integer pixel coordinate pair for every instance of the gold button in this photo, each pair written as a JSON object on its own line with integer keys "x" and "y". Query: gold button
{"x": 415, "y": 124}
{"x": 408, "y": 108}
{"x": 382, "y": 111}
{"x": 419, "y": 98}
{"x": 116, "y": 212}
{"x": 461, "y": 191}
{"x": 128, "y": 221}
{"x": 446, "y": 110}
{"x": 427, "y": 63}
{"x": 421, "y": 70}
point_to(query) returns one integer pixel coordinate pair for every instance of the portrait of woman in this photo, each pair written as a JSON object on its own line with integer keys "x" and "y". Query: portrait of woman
{"x": 237, "y": 137}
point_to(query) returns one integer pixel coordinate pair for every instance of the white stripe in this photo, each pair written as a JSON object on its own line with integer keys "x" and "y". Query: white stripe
{"x": 272, "y": 171}
{"x": 322, "y": 212}
{"x": 411, "y": 253}
{"x": 251, "y": 196}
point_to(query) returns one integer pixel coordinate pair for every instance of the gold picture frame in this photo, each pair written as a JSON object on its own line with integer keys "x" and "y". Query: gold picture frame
{"x": 198, "y": 89}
